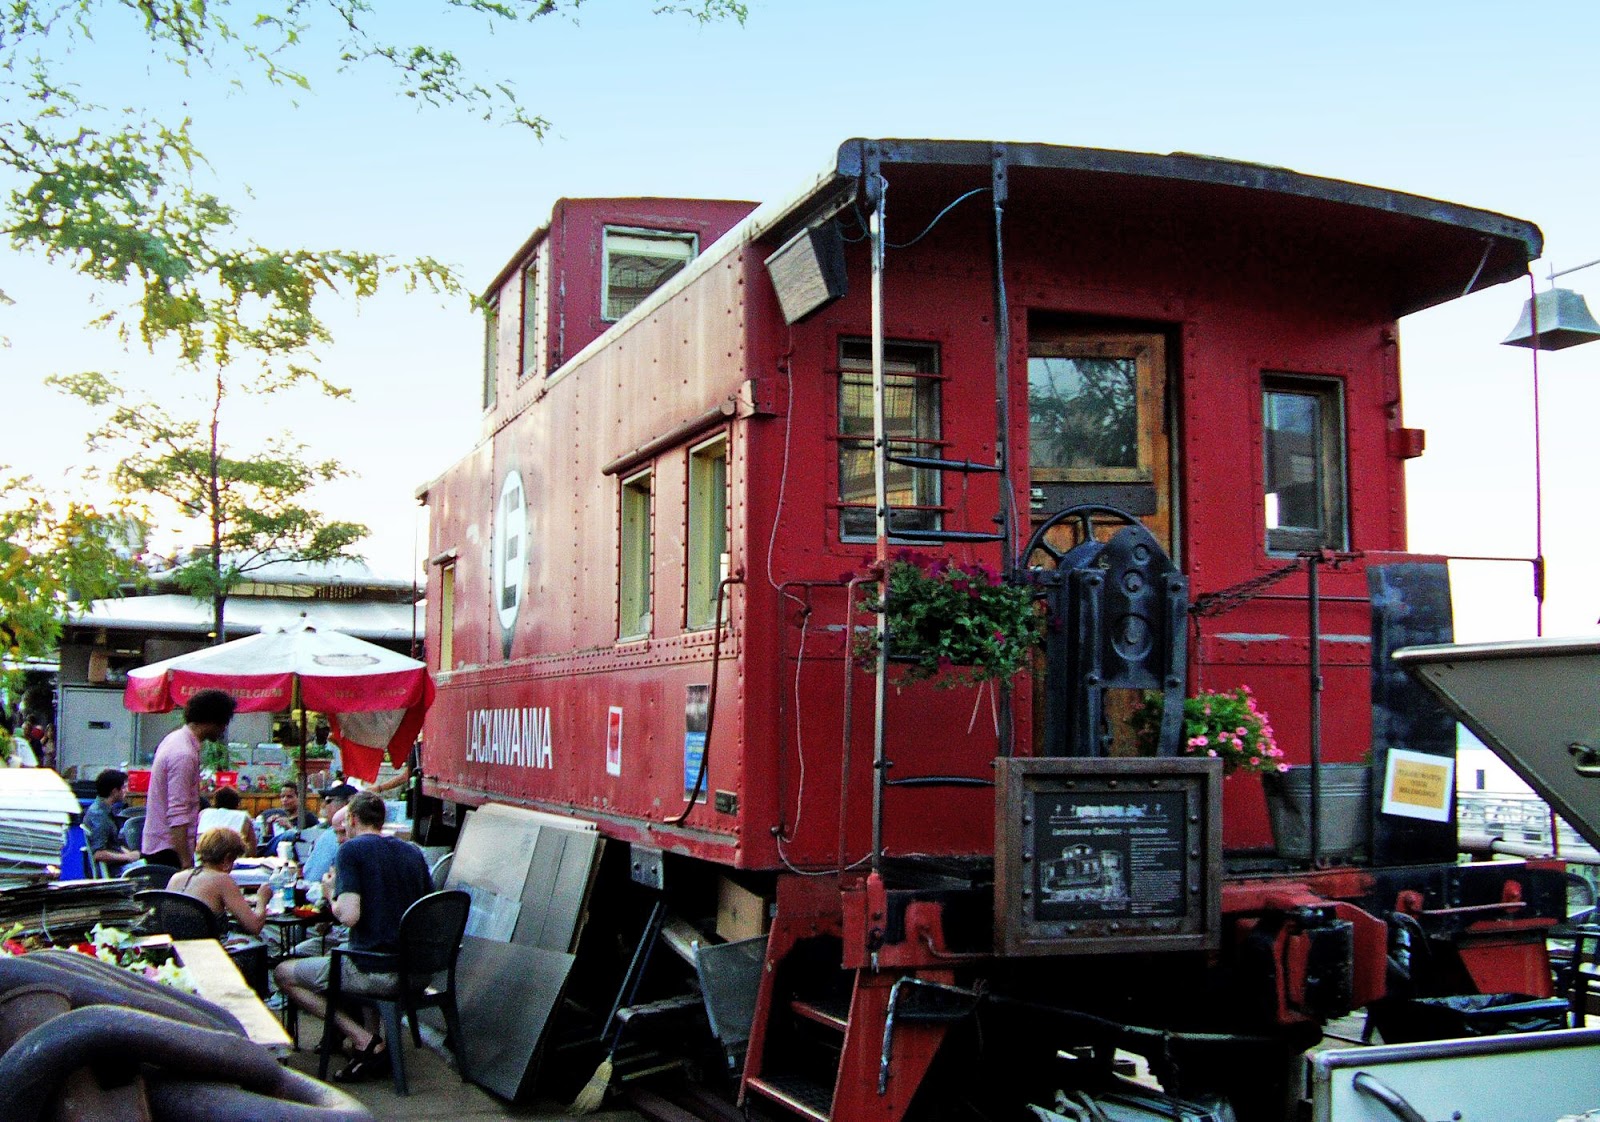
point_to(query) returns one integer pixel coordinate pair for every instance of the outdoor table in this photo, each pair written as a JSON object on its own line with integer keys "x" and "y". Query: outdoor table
{"x": 289, "y": 929}
{"x": 253, "y": 872}
{"x": 218, "y": 980}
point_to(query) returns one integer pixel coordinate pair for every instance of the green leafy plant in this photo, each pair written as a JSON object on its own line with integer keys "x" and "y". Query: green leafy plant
{"x": 215, "y": 756}
{"x": 956, "y": 624}
{"x": 1225, "y": 724}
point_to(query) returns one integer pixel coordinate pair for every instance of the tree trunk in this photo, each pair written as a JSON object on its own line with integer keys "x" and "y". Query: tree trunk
{"x": 219, "y": 597}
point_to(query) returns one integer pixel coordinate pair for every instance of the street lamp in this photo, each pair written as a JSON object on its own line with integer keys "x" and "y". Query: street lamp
{"x": 1552, "y": 320}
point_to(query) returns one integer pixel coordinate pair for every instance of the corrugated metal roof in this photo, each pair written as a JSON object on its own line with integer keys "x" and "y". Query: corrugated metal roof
{"x": 376, "y": 622}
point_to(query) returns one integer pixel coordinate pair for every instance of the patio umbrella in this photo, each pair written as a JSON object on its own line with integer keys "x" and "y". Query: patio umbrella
{"x": 374, "y": 699}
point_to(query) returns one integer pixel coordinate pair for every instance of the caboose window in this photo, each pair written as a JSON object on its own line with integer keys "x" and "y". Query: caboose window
{"x": 1304, "y": 468}
{"x": 633, "y": 608}
{"x": 637, "y": 262}
{"x": 447, "y": 616}
{"x": 1093, "y": 407}
{"x": 491, "y": 351}
{"x": 708, "y": 529}
{"x": 911, "y": 407}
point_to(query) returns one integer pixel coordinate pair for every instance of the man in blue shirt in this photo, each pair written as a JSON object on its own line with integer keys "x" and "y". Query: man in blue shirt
{"x": 100, "y": 823}
{"x": 327, "y": 843}
{"x": 375, "y": 878}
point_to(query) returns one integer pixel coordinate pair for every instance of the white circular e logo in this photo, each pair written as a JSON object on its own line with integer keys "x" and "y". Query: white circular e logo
{"x": 510, "y": 556}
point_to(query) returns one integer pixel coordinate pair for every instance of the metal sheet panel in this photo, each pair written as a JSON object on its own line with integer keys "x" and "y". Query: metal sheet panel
{"x": 1529, "y": 701}
{"x": 1526, "y": 1077}
{"x": 507, "y": 993}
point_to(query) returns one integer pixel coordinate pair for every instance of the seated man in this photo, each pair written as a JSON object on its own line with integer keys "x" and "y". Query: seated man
{"x": 100, "y": 823}
{"x": 284, "y": 818}
{"x": 326, "y": 936}
{"x": 374, "y": 880}
{"x": 327, "y": 843}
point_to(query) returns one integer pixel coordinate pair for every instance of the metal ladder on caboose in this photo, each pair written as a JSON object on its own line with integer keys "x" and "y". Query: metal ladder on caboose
{"x": 822, "y": 991}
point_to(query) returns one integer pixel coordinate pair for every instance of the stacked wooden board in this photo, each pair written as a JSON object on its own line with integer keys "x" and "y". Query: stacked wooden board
{"x": 36, "y": 808}
{"x": 63, "y": 911}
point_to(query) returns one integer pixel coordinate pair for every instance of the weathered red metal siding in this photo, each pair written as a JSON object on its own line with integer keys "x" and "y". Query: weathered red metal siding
{"x": 563, "y": 654}
{"x": 1235, "y": 294}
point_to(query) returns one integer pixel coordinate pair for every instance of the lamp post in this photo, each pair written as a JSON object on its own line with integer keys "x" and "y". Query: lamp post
{"x": 1552, "y": 320}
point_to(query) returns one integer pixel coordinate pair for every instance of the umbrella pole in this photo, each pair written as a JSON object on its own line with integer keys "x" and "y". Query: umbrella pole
{"x": 300, "y": 707}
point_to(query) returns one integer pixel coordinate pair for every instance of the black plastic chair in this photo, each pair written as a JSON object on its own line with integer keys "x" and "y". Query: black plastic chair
{"x": 182, "y": 917}
{"x": 133, "y": 832}
{"x": 429, "y": 941}
{"x": 440, "y": 873}
{"x": 151, "y": 876}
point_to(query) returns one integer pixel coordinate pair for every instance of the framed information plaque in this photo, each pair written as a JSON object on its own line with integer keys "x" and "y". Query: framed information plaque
{"x": 1107, "y": 855}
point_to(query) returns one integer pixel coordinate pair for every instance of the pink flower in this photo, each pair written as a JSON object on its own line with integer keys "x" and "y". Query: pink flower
{"x": 1241, "y": 731}
{"x": 1255, "y": 761}
{"x": 1212, "y": 753}
{"x": 1283, "y": 767}
{"x": 1199, "y": 742}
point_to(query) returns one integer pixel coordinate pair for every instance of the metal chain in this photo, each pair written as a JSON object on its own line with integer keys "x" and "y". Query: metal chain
{"x": 1226, "y": 599}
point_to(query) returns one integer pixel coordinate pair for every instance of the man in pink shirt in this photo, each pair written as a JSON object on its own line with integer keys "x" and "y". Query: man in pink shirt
{"x": 172, "y": 807}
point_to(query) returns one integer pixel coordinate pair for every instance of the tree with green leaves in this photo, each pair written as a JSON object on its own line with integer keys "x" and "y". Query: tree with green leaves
{"x": 53, "y": 559}
{"x": 250, "y": 507}
{"x": 116, "y": 193}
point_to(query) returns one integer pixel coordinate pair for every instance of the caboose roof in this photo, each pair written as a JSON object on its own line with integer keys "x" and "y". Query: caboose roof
{"x": 1425, "y": 251}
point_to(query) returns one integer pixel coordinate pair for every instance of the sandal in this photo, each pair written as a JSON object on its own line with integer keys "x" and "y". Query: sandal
{"x": 372, "y": 1062}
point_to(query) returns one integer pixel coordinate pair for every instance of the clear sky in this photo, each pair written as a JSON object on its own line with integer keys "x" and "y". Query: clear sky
{"x": 1489, "y": 105}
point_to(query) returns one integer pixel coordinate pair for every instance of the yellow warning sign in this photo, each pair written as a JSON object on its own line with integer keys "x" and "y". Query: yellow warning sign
{"x": 1418, "y": 785}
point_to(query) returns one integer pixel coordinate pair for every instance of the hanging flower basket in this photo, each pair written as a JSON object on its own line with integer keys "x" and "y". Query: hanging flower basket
{"x": 955, "y": 624}
{"x": 1225, "y": 725}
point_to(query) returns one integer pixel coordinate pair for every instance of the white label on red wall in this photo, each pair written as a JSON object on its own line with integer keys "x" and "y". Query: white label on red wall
{"x": 513, "y": 737}
{"x": 614, "y": 740}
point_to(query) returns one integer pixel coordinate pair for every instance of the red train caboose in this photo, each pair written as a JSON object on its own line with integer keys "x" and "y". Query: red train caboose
{"x": 645, "y": 598}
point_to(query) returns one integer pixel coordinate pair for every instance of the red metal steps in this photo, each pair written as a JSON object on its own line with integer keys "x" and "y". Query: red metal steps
{"x": 805, "y": 1097}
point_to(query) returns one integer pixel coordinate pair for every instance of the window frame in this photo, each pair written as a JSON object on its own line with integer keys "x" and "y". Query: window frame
{"x": 1333, "y": 491}
{"x": 1149, "y": 368}
{"x": 447, "y": 616}
{"x": 636, "y": 544}
{"x": 531, "y": 330}
{"x": 692, "y": 237}
{"x": 930, "y": 381}
{"x": 702, "y": 563}
{"x": 491, "y": 353}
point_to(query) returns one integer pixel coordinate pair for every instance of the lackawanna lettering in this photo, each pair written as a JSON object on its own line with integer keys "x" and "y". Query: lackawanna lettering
{"x": 516, "y": 737}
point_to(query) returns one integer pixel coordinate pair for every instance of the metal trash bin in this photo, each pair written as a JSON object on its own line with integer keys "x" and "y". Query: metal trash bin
{"x": 1408, "y": 1020}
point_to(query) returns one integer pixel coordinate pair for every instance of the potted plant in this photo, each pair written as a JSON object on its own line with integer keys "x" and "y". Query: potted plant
{"x": 956, "y": 624}
{"x": 1222, "y": 724}
{"x": 1229, "y": 725}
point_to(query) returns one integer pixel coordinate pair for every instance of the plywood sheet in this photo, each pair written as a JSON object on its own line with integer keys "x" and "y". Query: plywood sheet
{"x": 486, "y": 854}
{"x": 557, "y": 889}
{"x": 218, "y": 980}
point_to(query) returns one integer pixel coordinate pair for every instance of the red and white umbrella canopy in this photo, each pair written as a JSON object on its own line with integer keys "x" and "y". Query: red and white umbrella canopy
{"x": 375, "y": 699}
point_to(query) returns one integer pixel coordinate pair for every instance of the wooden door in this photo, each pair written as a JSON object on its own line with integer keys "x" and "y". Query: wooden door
{"x": 1097, "y": 425}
